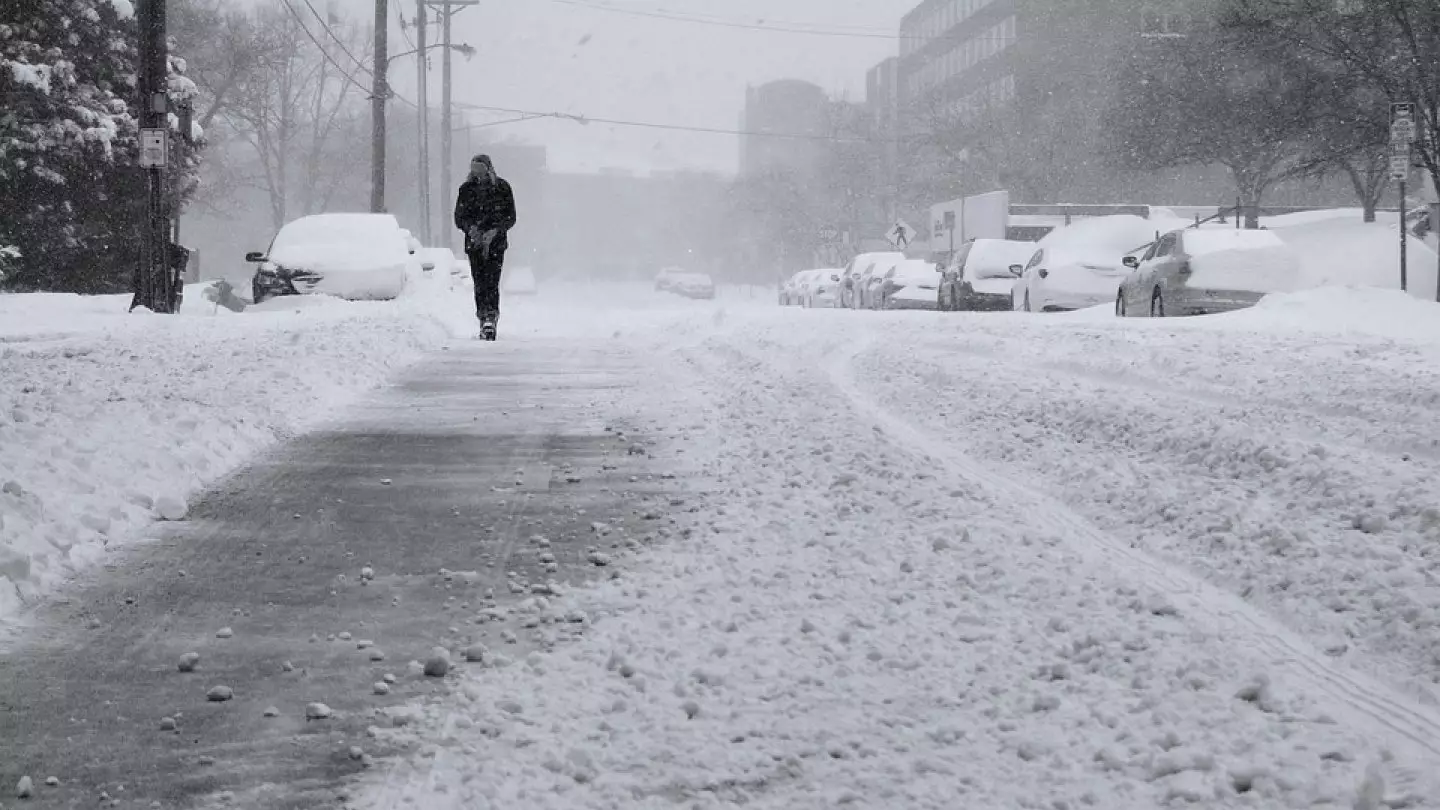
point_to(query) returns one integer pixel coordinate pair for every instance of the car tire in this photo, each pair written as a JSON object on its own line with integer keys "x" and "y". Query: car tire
{"x": 1157, "y": 304}
{"x": 257, "y": 295}
{"x": 1120, "y": 305}
{"x": 1027, "y": 302}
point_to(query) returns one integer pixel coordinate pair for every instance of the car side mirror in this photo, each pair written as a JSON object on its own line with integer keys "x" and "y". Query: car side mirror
{"x": 1016, "y": 270}
{"x": 254, "y": 256}
{"x": 1131, "y": 262}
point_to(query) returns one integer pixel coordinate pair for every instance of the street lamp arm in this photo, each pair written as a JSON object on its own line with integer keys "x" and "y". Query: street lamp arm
{"x": 467, "y": 50}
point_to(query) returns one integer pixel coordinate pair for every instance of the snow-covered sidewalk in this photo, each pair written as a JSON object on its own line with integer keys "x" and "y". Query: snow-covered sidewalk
{"x": 110, "y": 420}
{"x": 938, "y": 562}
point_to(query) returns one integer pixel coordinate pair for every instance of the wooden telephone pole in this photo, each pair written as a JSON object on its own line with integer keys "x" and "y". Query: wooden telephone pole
{"x": 448, "y": 9}
{"x": 379, "y": 93}
{"x": 156, "y": 285}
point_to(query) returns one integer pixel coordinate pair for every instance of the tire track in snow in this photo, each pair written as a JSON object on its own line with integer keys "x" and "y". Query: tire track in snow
{"x": 1412, "y": 730}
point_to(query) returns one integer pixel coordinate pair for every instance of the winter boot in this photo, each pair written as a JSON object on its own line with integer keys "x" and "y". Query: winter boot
{"x": 489, "y": 322}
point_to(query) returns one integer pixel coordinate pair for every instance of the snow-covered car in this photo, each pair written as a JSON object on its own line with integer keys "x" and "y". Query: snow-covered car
{"x": 850, "y": 277}
{"x": 354, "y": 256}
{"x": 1202, "y": 271}
{"x": 790, "y": 294}
{"x": 867, "y": 285}
{"x": 518, "y": 281}
{"x": 821, "y": 288}
{"x": 694, "y": 285}
{"x": 911, "y": 284}
{"x": 982, "y": 273}
{"x": 666, "y": 278}
{"x": 1081, "y": 265}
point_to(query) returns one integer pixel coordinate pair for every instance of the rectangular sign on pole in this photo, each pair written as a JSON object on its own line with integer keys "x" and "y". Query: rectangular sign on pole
{"x": 154, "y": 148}
{"x": 1399, "y": 165}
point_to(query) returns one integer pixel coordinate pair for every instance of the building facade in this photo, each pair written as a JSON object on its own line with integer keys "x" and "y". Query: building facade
{"x": 774, "y": 114}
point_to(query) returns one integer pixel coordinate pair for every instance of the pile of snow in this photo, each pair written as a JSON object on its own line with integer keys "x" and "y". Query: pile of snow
{"x": 1337, "y": 248}
{"x": 1345, "y": 310}
{"x": 1230, "y": 259}
{"x": 110, "y": 420}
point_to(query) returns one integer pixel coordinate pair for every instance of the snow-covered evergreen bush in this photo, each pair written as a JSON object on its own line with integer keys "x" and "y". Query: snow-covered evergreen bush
{"x": 74, "y": 195}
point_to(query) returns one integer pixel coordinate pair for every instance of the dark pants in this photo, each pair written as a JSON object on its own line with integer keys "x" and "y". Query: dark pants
{"x": 485, "y": 270}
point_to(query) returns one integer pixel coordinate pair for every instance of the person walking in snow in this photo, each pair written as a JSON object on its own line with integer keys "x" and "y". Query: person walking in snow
{"x": 485, "y": 212}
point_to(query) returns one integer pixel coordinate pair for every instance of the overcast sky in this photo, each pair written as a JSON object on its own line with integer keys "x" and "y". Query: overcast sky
{"x": 549, "y": 55}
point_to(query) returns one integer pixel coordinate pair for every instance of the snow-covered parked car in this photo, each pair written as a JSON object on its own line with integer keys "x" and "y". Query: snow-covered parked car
{"x": 911, "y": 284}
{"x": 665, "y": 280}
{"x": 850, "y": 277}
{"x": 1081, "y": 265}
{"x": 790, "y": 294}
{"x": 982, "y": 273}
{"x": 1202, "y": 271}
{"x": 694, "y": 285}
{"x": 354, "y": 256}
{"x": 869, "y": 282}
{"x": 821, "y": 288}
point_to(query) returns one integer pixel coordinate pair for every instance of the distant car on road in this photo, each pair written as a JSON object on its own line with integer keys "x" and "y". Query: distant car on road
{"x": 666, "y": 278}
{"x": 911, "y": 284}
{"x": 981, "y": 274}
{"x": 694, "y": 285}
{"x": 1203, "y": 271}
{"x": 354, "y": 256}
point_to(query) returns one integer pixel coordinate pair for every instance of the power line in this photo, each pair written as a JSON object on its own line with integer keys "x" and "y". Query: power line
{"x": 326, "y": 25}
{"x": 788, "y": 28}
{"x": 349, "y": 76}
{"x": 585, "y": 119}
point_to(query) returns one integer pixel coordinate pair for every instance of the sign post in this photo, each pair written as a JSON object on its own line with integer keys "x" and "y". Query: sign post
{"x": 900, "y": 234}
{"x": 1402, "y": 138}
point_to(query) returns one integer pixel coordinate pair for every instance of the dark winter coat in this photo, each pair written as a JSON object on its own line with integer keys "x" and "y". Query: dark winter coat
{"x": 487, "y": 204}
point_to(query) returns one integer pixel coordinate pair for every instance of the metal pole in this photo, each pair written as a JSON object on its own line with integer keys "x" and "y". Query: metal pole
{"x": 1404, "y": 282}
{"x": 446, "y": 123}
{"x": 378, "y": 93}
{"x": 422, "y": 73}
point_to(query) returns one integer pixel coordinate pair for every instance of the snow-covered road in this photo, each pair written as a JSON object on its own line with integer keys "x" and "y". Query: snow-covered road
{"x": 1002, "y": 561}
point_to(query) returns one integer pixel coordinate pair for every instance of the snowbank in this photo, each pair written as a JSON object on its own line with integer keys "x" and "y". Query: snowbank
{"x": 1342, "y": 250}
{"x": 110, "y": 420}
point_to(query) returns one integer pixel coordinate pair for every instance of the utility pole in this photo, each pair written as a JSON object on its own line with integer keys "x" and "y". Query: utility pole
{"x": 448, "y": 9}
{"x": 155, "y": 285}
{"x": 422, "y": 71}
{"x": 379, "y": 92}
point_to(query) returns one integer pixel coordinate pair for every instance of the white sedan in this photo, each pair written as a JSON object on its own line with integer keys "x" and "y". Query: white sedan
{"x": 821, "y": 289}
{"x": 354, "y": 256}
{"x": 1081, "y": 265}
